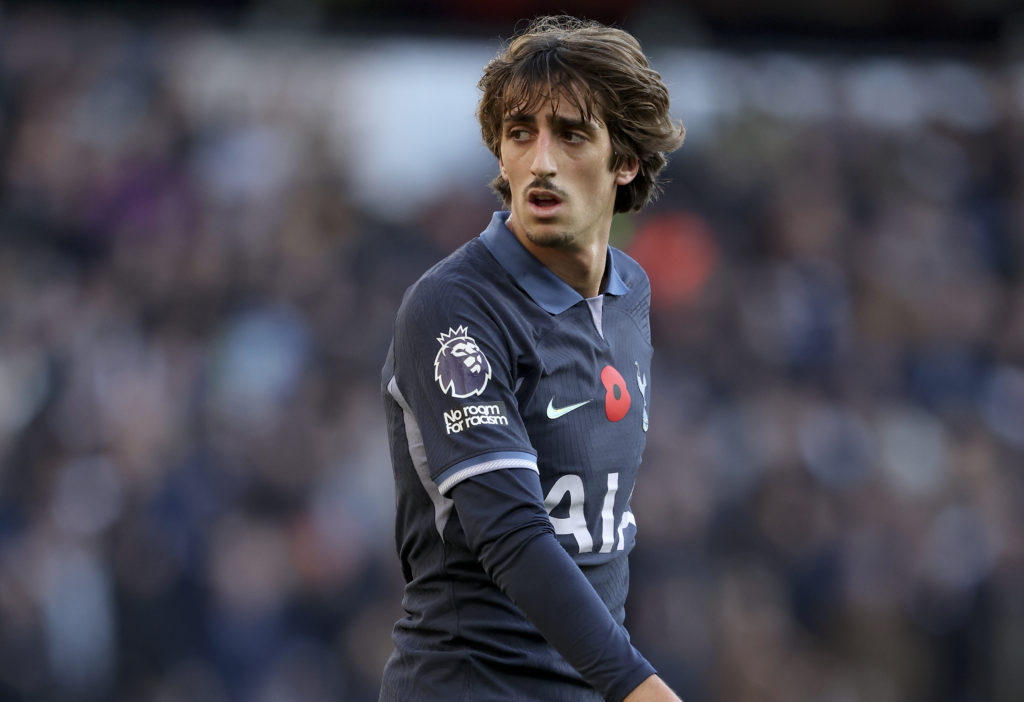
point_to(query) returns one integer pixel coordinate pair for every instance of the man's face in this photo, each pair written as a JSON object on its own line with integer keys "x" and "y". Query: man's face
{"x": 470, "y": 355}
{"x": 557, "y": 167}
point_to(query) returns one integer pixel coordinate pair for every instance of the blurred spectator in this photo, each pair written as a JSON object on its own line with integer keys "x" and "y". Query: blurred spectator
{"x": 195, "y": 500}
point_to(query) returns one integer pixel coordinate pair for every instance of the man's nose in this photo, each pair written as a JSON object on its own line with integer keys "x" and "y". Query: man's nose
{"x": 543, "y": 157}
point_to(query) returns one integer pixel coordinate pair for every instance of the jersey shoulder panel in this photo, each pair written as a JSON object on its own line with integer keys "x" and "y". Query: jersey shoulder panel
{"x": 453, "y": 365}
{"x": 637, "y": 302}
{"x": 631, "y": 271}
{"x": 456, "y": 293}
{"x": 466, "y": 271}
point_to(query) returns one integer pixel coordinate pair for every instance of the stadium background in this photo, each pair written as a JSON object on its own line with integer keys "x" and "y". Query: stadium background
{"x": 208, "y": 216}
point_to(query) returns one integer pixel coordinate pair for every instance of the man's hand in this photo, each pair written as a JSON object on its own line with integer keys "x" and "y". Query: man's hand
{"x": 653, "y": 689}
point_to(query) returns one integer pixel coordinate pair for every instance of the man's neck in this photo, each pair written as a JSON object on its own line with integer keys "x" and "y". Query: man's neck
{"x": 579, "y": 259}
{"x": 584, "y": 270}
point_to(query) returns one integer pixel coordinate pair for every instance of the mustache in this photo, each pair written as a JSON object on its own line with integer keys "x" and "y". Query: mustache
{"x": 545, "y": 184}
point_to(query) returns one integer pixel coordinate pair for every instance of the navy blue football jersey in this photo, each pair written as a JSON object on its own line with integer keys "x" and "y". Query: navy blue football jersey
{"x": 497, "y": 364}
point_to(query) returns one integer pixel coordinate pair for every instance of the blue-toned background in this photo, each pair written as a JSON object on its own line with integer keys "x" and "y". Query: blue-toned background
{"x": 207, "y": 219}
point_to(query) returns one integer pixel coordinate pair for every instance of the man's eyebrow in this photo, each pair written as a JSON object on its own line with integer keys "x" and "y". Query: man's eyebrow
{"x": 570, "y": 123}
{"x": 519, "y": 118}
{"x": 558, "y": 121}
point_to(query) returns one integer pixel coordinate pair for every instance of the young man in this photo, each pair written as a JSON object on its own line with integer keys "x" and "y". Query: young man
{"x": 517, "y": 392}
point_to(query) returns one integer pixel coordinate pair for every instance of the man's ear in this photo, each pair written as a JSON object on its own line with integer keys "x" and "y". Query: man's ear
{"x": 501, "y": 167}
{"x": 625, "y": 173}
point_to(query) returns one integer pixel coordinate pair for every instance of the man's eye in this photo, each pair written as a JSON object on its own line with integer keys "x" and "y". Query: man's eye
{"x": 575, "y": 138}
{"x": 518, "y": 134}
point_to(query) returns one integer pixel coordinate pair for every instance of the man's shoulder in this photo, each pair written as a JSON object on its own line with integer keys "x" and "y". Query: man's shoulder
{"x": 465, "y": 281}
{"x": 631, "y": 272}
{"x": 468, "y": 268}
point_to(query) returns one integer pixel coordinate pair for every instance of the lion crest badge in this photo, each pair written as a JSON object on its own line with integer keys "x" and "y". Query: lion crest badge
{"x": 460, "y": 367}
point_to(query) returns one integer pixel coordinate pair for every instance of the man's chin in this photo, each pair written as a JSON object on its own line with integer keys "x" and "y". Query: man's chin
{"x": 548, "y": 234}
{"x": 541, "y": 231}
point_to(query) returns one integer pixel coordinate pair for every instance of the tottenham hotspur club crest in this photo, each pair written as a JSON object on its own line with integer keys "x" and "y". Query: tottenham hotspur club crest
{"x": 460, "y": 367}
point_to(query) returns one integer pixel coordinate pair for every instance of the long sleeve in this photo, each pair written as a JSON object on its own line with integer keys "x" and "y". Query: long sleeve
{"x": 506, "y": 525}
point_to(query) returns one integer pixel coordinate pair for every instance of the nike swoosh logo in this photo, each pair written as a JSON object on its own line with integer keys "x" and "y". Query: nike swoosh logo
{"x": 556, "y": 412}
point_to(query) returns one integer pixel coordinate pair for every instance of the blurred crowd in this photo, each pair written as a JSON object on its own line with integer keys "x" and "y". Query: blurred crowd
{"x": 195, "y": 490}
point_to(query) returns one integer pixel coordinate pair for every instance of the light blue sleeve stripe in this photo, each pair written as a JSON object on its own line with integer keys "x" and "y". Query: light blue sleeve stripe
{"x": 417, "y": 452}
{"x": 484, "y": 464}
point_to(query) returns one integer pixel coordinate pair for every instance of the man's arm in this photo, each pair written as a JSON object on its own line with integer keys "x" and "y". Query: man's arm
{"x": 506, "y": 525}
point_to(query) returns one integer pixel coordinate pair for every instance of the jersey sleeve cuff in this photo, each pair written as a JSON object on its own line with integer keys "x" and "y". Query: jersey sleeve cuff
{"x": 485, "y": 463}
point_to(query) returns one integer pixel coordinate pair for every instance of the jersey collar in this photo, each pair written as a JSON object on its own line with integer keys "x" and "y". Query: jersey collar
{"x": 544, "y": 287}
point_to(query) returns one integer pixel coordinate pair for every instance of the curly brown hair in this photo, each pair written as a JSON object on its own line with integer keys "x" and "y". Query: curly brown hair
{"x": 604, "y": 73}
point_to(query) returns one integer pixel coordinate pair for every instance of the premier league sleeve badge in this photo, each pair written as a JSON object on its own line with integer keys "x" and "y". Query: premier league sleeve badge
{"x": 460, "y": 367}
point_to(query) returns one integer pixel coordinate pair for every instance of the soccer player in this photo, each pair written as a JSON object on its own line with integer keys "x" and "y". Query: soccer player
{"x": 517, "y": 391}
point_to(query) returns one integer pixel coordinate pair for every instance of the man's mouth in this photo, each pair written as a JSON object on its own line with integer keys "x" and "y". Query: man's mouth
{"x": 543, "y": 200}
